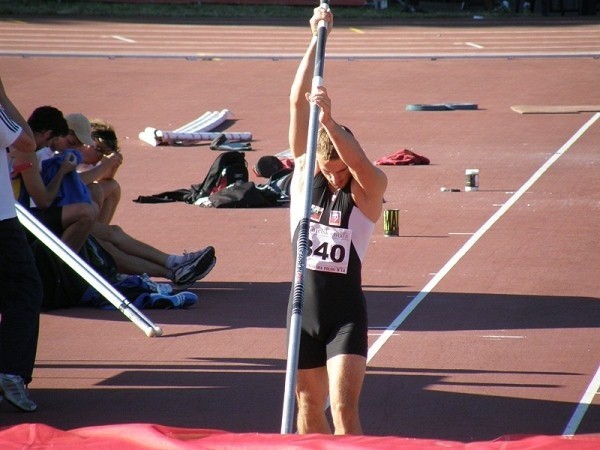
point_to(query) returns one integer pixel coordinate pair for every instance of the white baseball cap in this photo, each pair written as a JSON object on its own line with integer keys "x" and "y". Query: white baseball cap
{"x": 81, "y": 127}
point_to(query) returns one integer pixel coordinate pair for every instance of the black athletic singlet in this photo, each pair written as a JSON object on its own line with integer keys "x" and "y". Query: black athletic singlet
{"x": 334, "y": 313}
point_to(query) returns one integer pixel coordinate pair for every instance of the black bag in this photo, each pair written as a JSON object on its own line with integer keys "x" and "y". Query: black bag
{"x": 239, "y": 195}
{"x": 228, "y": 168}
{"x": 63, "y": 287}
{"x": 277, "y": 189}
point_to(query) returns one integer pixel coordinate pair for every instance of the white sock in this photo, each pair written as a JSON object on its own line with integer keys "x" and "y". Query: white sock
{"x": 174, "y": 260}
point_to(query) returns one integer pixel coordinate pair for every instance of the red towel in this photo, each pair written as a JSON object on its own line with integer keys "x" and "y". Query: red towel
{"x": 402, "y": 158}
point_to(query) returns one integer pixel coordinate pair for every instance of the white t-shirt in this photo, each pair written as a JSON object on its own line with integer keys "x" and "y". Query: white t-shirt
{"x": 9, "y": 132}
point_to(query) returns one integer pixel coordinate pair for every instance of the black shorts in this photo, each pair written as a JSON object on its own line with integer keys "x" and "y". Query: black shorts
{"x": 338, "y": 328}
{"x": 51, "y": 218}
{"x": 350, "y": 339}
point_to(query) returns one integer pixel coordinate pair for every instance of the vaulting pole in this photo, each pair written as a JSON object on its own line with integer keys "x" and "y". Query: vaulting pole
{"x": 87, "y": 273}
{"x": 287, "y": 420}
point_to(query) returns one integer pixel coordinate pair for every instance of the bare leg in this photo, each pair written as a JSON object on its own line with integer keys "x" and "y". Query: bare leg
{"x": 133, "y": 265}
{"x": 97, "y": 194}
{"x": 77, "y": 221}
{"x": 127, "y": 244}
{"x": 111, "y": 191}
{"x": 311, "y": 395}
{"x": 346, "y": 376}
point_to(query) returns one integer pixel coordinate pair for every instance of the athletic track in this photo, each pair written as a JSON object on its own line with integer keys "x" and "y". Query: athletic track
{"x": 484, "y": 313}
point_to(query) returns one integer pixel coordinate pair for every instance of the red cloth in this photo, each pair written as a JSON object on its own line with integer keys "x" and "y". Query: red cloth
{"x": 402, "y": 157}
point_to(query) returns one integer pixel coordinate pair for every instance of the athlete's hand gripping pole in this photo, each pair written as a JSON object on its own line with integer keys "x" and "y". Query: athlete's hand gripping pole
{"x": 86, "y": 272}
{"x": 302, "y": 243}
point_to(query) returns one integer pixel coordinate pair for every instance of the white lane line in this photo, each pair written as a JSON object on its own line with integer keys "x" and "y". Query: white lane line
{"x": 124, "y": 39}
{"x": 501, "y": 336}
{"x": 591, "y": 391}
{"x": 356, "y": 30}
{"x": 392, "y": 327}
{"x": 472, "y": 44}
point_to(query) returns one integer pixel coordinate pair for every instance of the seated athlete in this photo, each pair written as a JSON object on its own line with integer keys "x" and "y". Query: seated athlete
{"x": 132, "y": 256}
{"x": 101, "y": 160}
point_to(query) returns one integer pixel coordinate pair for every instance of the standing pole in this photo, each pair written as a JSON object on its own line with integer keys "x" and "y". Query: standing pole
{"x": 87, "y": 273}
{"x": 287, "y": 420}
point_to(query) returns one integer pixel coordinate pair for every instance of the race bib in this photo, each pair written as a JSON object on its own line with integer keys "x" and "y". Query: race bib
{"x": 328, "y": 248}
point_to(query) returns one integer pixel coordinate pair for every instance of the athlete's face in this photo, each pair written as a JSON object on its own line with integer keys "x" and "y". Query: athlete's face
{"x": 62, "y": 143}
{"x": 336, "y": 172}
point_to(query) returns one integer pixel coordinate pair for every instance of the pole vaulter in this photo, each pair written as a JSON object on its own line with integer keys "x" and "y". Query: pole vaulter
{"x": 87, "y": 273}
{"x": 287, "y": 419}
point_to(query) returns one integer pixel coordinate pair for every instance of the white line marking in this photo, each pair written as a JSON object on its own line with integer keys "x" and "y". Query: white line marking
{"x": 392, "y": 327}
{"x": 124, "y": 39}
{"x": 472, "y": 44}
{"x": 500, "y": 336}
{"x": 583, "y": 405}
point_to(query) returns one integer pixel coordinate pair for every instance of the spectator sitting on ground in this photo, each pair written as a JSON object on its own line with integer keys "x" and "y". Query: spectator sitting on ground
{"x": 100, "y": 163}
{"x": 132, "y": 257}
{"x": 71, "y": 222}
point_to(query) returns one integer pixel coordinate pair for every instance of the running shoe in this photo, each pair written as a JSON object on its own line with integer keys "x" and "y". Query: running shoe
{"x": 194, "y": 269}
{"x": 15, "y": 392}
{"x": 188, "y": 257}
{"x": 159, "y": 288}
{"x": 177, "y": 301}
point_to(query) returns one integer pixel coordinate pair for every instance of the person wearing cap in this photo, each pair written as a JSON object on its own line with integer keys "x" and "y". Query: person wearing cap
{"x": 131, "y": 255}
{"x": 58, "y": 213}
{"x": 101, "y": 159}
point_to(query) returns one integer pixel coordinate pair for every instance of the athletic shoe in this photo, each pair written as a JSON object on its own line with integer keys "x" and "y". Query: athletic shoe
{"x": 188, "y": 257}
{"x": 159, "y": 288}
{"x": 195, "y": 269}
{"x": 182, "y": 300}
{"x": 15, "y": 391}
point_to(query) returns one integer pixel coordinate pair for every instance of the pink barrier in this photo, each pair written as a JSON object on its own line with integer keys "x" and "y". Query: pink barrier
{"x": 150, "y": 436}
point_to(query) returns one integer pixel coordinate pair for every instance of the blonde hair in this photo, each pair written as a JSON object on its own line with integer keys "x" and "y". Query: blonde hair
{"x": 103, "y": 131}
{"x": 325, "y": 148}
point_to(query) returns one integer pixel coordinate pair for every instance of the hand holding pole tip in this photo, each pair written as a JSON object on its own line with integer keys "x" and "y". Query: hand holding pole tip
{"x": 322, "y": 17}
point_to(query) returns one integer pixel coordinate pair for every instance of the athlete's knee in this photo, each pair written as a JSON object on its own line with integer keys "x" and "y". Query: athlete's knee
{"x": 82, "y": 213}
{"x": 344, "y": 408}
{"x": 346, "y": 419}
{"x": 96, "y": 193}
{"x": 115, "y": 231}
{"x": 345, "y": 412}
{"x": 308, "y": 401}
{"x": 116, "y": 189}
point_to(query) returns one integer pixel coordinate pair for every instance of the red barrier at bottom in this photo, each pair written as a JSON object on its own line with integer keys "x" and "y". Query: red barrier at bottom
{"x": 149, "y": 436}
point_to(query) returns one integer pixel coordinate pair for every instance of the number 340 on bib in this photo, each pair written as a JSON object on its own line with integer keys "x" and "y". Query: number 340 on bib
{"x": 328, "y": 248}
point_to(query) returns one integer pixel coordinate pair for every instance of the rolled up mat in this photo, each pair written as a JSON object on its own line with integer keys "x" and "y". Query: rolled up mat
{"x": 442, "y": 107}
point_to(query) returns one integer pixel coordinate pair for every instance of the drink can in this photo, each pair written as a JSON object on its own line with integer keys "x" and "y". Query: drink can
{"x": 390, "y": 222}
{"x": 472, "y": 180}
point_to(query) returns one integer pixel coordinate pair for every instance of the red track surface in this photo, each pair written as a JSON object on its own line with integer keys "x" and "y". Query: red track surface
{"x": 504, "y": 335}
